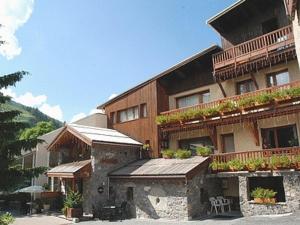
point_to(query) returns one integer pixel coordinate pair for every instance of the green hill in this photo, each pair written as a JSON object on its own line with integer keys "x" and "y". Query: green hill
{"x": 30, "y": 115}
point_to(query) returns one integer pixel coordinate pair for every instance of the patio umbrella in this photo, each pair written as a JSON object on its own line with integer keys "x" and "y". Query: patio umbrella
{"x": 31, "y": 189}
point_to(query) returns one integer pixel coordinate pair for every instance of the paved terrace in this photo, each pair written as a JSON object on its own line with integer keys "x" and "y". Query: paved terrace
{"x": 292, "y": 219}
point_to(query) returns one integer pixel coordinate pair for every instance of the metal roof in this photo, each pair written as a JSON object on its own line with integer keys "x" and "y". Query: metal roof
{"x": 102, "y": 135}
{"x": 159, "y": 167}
{"x": 69, "y": 167}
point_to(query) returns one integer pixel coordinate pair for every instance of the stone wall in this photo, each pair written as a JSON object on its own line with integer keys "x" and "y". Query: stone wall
{"x": 105, "y": 158}
{"x": 200, "y": 189}
{"x": 291, "y": 183}
{"x": 155, "y": 198}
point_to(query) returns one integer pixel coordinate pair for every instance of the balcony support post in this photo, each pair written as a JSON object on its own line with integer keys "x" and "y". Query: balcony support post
{"x": 254, "y": 80}
{"x": 213, "y": 136}
{"x": 255, "y": 132}
{"x": 222, "y": 89}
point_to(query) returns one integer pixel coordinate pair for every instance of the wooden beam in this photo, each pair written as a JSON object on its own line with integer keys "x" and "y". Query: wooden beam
{"x": 254, "y": 80}
{"x": 222, "y": 89}
{"x": 254, "y": 130}
{"x": 213, "y": 136}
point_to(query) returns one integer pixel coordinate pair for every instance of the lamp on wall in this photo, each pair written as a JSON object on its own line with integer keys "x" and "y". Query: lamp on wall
{"x": 100, "y": 189}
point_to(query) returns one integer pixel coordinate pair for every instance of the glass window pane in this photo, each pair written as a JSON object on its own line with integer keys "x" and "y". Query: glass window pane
{"x": 130, "y": 114}
{"x": 245, "y": 87}
{"x": 136, "y": 112}
{"x": 205, "y": 97}
{"x": 123, "y": 116}
{"x": 282, "y": 78}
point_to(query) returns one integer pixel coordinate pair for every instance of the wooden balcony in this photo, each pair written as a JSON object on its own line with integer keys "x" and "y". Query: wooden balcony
{"x": 291, "y": 152}
{"x": 265, "y": 50}
{"x": 236, "y": 112}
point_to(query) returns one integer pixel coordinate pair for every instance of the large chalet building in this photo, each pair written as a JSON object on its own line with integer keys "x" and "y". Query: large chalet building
{"x": 241, "y": 99}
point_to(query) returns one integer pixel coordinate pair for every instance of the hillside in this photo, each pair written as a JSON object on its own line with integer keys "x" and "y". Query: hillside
{"x": 29, "y": 114}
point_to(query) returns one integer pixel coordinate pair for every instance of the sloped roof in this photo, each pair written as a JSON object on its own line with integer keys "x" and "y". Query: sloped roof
{"x": 69, "y": 170}
{"x": 69, "y": 167}
{"x": 92, "y": 135}
{"x": 159, "y": 168}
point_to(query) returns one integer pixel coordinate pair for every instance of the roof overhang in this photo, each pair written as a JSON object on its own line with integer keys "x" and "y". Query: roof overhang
{"x": 80, "y": 169}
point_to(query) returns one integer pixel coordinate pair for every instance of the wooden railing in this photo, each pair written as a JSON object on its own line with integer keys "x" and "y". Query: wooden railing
{"x": 235, "y": 98}
{"x": 267, "y": 153}
{"x": 260, "y": 46}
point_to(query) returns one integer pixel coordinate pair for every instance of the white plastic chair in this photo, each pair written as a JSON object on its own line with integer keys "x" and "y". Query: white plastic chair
{"x": 224, "y": 202}
{"x": 215, "y": 204}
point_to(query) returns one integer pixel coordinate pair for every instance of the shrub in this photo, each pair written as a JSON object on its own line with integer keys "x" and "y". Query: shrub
{"x": 263, "y": 193}
{"x": 221, "y": 166}
{"x": 264, "y": 98}
{"x": 183, "y": 154}
{"x": 293, "y": 92}
{"x": 6, "y": 219}
{"x": 73, "y": 200}
{"x": 203, "y": 151}
{"x": 161, "y": 120}
{"x": 228, "y": 106}
{"x": 253, "y": 164}
{"x": 211, "y": 111}
{"x": 214, "y": 165}
{"x": 246, "y": 102}
{"x": 236, "y": 165}
{"x": 280, "y": 162}
{"x": 168, "y": 153}
{"x": 279, "y": 95}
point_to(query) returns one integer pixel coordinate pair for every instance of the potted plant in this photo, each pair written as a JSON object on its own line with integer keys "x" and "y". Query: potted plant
{"x": 280, "y": 162}
{"x": 203, "y": 151}
{"x": 263, "y": 195}
{"x": 168, "y": 153}
{"x": 236, "y": 165}
{"x": 246, "y": 103}
{"x": 214, "y": 166}
{"x": 6, "y": 219}
{"x": 73, "y": 205}
{"x": 211, "y": 112}
{"x": 228, "y": 107}
{"x": 183, "y": 154}
{"x": 264, "y": 99}
{"x": 296, "y": 162}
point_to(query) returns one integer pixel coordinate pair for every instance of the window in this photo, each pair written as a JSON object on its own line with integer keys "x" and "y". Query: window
{"x": 245, "y": 86}
{"x": 193, "y": 143}
{"x": 143, "y": 110}
{"x": 280, "y": 137}
{"x": 129, "y": 194}
{"x": 194, "y": 99}
{"x": 278, "y": 78}
{"x": 113, "y": 117}
{"x": 129, "y": 114}
{"x": 228, "y": 143}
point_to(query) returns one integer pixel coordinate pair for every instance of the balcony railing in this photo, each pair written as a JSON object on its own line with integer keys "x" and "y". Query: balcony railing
{"x": 291, "y": 152}
{"x": 261, "y": 46}
{"x": 235, "y": 104}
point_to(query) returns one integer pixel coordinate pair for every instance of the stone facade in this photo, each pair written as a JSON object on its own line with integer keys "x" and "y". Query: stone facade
{"x": 105, "y": 158}
{"x": 291, "y": 184}
{"x": 169, "y": 198}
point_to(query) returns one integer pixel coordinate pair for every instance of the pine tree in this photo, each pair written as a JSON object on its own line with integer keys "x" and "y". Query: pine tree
{"x": 11, "y": 145}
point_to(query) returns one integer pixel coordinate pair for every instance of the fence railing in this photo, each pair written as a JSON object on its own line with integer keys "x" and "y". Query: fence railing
{"x": 235, "y": 98}
{"x": 263, "y": 45}
{"x": 267, "y": 153}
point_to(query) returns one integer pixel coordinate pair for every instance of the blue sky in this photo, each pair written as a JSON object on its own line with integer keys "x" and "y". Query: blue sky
{"x": 80, "y": 52}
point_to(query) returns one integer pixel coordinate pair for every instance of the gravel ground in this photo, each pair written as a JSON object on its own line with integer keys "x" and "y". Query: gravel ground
{"x": 293, "y": 219}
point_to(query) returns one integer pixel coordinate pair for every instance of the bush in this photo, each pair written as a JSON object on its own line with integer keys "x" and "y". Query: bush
{"x": 280, "y": 162}
{"x": 73, "y": 200}
{"x": 263, "y": 193}
{"x": 264, "y": 98}
{"x": 203, "y": 151}
{"x": 236, "y": 165}
{"x": 294, "y": 92}
{"x": 6, "y": 219}
{"x": 183, "y": 154}
{"x": 228, "y": 106}
{"x": 168, "y": 153}
{"x": 246, "y": 102}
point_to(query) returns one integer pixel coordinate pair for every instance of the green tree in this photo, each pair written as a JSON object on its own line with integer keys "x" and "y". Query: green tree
{"x": 38, "y": 130}
{"x": 10, "y": 143}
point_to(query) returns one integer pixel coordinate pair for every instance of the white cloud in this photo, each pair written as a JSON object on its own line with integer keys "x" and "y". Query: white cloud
{"x": 77, "y": 117}
{"x": 112, "y": 96}
{"x": 52, "y": 111}
{"x": 39, "y": 101}
{"x": 13, "y": 15}
{"x": 29, "y": 100}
